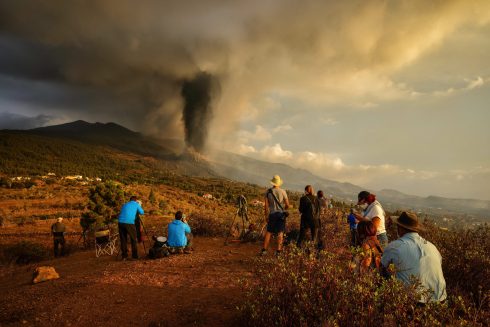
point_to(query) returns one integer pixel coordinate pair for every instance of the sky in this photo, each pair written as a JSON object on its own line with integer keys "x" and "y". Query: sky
{"x": 382, "y": 94}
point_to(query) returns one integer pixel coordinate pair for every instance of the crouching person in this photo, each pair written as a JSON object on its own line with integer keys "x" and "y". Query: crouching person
{"x": 179, "y": 237}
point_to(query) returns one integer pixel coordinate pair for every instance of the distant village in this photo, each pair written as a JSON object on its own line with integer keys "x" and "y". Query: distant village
{"x": 82, "y": 180}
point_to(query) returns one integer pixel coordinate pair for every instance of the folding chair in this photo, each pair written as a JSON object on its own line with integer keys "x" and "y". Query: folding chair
{"x": 105, "y": 242}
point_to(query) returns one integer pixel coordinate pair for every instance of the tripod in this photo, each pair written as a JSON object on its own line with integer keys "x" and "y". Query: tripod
{"x": 144, "y": 230}
{"x": 242, "y": 212}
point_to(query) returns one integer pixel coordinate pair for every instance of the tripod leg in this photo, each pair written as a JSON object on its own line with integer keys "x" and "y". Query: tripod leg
{"x": 144, "y": 230}
{"x": 229, "y": 231}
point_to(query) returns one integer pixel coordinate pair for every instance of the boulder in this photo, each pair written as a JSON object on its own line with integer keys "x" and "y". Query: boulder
{"x": 45, "y": 273}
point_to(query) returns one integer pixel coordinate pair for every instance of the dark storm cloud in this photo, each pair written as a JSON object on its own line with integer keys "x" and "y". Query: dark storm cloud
{"x": 86, "y": 59}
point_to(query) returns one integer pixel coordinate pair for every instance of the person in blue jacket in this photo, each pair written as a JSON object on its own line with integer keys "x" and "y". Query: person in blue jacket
{"x": 179, "y": 234}
{"x": 126, "y": 227}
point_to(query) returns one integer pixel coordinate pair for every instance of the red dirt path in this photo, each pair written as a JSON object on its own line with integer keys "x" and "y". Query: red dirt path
{"x": 200, "y": 289}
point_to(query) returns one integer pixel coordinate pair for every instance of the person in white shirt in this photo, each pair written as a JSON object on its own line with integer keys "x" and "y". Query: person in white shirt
{"x": 374, "y": 212}
{"x": 414, "y": 256}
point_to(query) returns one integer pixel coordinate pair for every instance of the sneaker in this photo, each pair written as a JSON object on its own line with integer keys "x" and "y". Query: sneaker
{"x": 187, "y": 251}
{"x": 278, "y": 253}
{"x": 263, "y": 253}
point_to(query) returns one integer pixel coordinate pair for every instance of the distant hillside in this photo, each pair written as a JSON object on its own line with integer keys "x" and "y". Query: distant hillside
{"x": 243, "y": 168}
{"x": 113, "y": 151}
{"x": 109, "y": 134}
{"x": 247, "y": 169}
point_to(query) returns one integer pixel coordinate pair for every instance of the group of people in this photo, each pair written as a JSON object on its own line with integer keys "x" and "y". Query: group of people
{"x": 408, "y": 256}
{"x": 276, "y": 204}
{"x": 179, "y": 237}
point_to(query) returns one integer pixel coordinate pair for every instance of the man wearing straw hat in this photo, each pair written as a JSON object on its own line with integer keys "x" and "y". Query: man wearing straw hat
{"x": 414, "y": 256}
{"x": 276, "y": 204}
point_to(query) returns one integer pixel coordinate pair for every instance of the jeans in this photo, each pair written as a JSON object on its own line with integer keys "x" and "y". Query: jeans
{"x": 383, "y": 240}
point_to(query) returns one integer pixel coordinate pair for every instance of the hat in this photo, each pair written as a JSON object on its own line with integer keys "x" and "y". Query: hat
{"x": 59, "y": 219}
{"x": 362, "y": 196}
{"x": 162, "y": 239}
{"x": 276, "y": 180}
{"x": 409, "y": 221}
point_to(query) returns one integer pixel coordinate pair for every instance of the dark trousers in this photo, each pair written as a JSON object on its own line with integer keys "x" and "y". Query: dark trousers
{"x": 59, "y": 242}
{"x": 313, "y": 225}
{"x": 354, "y": 241}
{"x": 126, "y": 230}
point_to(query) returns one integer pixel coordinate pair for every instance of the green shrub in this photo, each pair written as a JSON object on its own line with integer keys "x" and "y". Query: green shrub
{"x": 104, "y": 202}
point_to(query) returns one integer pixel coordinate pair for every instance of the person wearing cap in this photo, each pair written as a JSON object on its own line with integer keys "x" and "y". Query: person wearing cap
{"x": 58, "y": 230}
{"x": 374, "y": 212}
{"x": 412, "y": 255}
{"x": 126, "y": 226}
{"x": 276, "y": 203}
{"x": 179, "y": 236}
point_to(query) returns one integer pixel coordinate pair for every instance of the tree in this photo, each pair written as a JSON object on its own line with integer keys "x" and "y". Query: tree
{"x": 104, "y": 201}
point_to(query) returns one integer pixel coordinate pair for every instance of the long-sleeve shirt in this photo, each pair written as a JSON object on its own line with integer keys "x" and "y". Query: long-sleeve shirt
{"x": 128, "y": 212}
{"x": 414, "y": 256}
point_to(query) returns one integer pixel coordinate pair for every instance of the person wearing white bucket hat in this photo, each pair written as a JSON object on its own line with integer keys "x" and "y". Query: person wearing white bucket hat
{"x": 276, "y": 204}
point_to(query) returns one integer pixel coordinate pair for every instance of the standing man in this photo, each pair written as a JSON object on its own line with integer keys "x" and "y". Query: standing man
{"x": 126, "y": 227}
{"x": 375, "y": 213}
{"x": 58, "y": 230}
{"x": 276, "y": 204}
{"x": 309, "y": 207}
{"x": 414, "y": 256}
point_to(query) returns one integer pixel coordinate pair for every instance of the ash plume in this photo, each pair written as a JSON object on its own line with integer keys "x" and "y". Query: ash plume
{"x": 198, "y": 111}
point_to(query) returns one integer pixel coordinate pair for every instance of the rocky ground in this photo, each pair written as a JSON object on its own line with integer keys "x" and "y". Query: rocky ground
{"x": 198, "y": 289}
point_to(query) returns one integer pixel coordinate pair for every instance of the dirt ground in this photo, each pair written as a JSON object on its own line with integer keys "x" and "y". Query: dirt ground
{"x": 198, "y": 289}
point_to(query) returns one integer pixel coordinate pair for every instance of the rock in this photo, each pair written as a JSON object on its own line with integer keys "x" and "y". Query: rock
{"x": 45, "y": 273}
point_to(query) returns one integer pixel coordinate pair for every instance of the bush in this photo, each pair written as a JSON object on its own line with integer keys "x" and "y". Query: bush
{"x": 466, "y": 260}
{"x": 25, "y": 252}
{"x": 104, "y": 201}
{"x": 202, "y": 225}
{"x": 306, "y": 288}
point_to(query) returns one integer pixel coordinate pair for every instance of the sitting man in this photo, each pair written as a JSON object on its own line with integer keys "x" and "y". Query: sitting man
{"x": 414, "y": 256}
{"x": 179, "y": 234}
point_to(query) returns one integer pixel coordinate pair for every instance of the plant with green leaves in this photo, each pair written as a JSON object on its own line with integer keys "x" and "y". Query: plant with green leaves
{"x": 104, "y": 201}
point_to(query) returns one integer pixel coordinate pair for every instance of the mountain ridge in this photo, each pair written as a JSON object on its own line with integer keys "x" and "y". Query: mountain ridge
{"x": 241, "y": 168}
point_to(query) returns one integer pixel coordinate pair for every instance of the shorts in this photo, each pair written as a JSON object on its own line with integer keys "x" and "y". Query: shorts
{"x": 276, "y": 224}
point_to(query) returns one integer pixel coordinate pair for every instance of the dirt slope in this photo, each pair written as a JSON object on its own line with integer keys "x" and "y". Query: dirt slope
{"x": 200, "y": 289}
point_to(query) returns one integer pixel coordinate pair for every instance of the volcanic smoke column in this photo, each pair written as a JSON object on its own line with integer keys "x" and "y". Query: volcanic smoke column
{"x": 197, "y": 94}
